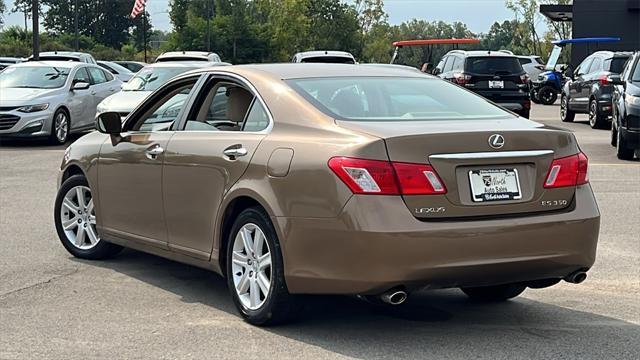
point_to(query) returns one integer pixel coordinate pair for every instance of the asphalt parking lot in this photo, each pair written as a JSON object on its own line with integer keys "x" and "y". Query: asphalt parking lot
{"x": 53, "y": 306}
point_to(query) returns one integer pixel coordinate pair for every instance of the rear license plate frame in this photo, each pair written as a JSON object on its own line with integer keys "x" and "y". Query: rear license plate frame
{"x": 501, "y": 176}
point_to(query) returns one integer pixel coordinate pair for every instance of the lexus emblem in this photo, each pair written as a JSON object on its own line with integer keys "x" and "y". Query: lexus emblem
{"x": 496, "y": 141}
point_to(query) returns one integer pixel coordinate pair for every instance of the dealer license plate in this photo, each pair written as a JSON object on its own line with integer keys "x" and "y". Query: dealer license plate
{"x": 494, "y": 185}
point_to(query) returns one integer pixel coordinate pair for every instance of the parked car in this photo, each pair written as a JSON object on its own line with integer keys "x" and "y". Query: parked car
{"x": 118, "y": 71}
{"x": 312, "y": 179}
{"x": 496, "y": 75}
{"x": 51, "y": 98}
{"x": 589, "y": 90}
{"x": 531, "y": 64}
{"x": 625, "y": 129}
{"x": 190, "y": 56}
{"x": 6, "y": 61}
{"x": 133, "y": 66}
{"x": 144, "y": 83}
{"x": 324, "y": 56}
{"x": 65, "y": 56}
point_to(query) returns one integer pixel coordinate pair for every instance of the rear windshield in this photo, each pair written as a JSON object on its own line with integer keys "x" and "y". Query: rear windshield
{"x": 493, "y": 65}
{"x": 394, "y": 99}
{"x": 328, "y": 59}
{"x": 616, "y": 64}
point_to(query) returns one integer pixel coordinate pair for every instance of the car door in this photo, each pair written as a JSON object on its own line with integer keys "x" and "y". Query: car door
{"x": 80, "y": 102}
{"x": 592, "y": 77}
{"x": 448, "y": 67}
{"x": 206, "y": 157}
{"x": 130, "y": 167}
{"x": 577, "y": 99}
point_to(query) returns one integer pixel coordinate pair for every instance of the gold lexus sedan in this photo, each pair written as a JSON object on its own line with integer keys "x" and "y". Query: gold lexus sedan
{"x": 293, "y": 179}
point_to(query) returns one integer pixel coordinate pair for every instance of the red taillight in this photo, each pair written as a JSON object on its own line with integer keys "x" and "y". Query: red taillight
{"x": 461, "y": 78}
{"x": 604, "y": 80}
{"x": 568, "y": 171}
{"x": 418, "y": 179}
{"x": 376, "y": 177}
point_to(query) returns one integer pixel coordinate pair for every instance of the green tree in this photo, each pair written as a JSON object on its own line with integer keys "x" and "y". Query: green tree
{"x": 526, "y": 12}
{"x": 2, "y": 9}
{"x": 333, "y": 25}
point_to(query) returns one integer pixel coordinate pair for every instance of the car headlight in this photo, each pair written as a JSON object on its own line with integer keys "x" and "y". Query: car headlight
{"x": 33, "y": 108}
{"x": 632, "y": 100}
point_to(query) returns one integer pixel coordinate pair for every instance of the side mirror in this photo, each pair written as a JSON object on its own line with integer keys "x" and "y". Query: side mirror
{"x": 109, "y": 123}
{"x": 80, "y": 85}
{"x": 615, "y": 79}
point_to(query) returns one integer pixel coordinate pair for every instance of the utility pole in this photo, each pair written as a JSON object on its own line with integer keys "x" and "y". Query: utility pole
{"x": 75, "y": 24}
{"x": 208, "y": 27}
{"x": 36, "y": 30}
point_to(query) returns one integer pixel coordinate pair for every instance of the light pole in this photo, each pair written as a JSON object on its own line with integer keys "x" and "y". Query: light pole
{"x": 75, "y": 24}
{"x": 208, "y": 27}
{"x": 36, "y": 30}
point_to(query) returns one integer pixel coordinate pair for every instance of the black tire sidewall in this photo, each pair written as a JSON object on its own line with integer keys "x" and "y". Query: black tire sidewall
{"x": 568, "y": 114}
{"x": 542, "y": 93}
{"x": 278, "y": 292}
{"x": 103, "y": 249}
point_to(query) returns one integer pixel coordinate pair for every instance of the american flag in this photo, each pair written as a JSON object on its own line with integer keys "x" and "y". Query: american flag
{"x": 138, "y": 8}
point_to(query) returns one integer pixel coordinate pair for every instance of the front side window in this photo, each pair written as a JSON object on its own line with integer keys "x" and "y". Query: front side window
{"x": 82, "y": 76}
{"x": 448, "y": 65}
{"x": 394, "y": 99}
{"x": 36, "y": 77}
{"x": 583, "y": 68}
{"x": 97, "y": 75}
{"x": 165, "y": 110}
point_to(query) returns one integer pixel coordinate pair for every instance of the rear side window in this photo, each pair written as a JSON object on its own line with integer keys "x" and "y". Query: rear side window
{"x": 394, "y": 99}
{"x": 493, "y": 65}
{"x": 616, "y": 64}
{"x": 596, "y": 65}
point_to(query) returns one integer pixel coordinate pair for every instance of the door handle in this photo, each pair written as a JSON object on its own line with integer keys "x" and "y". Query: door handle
{"x": 153, "y": 152}
{"x": 93, "y": 93}
{"x": 235, "y": 151}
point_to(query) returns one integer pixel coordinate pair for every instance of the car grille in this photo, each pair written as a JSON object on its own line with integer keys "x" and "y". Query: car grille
{"x": 8, "y": 108}
{"x": 8, "y": 121}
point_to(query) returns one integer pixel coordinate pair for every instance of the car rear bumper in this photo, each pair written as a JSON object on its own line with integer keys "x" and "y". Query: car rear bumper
{"x": 367, "y": 251}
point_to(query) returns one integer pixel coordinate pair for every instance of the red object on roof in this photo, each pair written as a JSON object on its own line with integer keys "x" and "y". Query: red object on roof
{"x": 435, "y": 42}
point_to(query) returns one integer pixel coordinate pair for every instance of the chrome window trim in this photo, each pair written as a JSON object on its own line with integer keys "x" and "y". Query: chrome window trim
{"x": 491, "y": 155}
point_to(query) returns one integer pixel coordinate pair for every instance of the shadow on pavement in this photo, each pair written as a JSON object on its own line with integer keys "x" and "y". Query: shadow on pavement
{"x": 432, "y": 324}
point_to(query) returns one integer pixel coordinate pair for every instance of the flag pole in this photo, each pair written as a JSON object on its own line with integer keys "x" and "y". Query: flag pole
{"x": 144, "y": 29}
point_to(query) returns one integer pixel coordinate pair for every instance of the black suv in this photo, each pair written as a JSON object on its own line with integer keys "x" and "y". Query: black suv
{"x": 625, "y": 129}
{"x": 496, "y": 75}
{"x": 589, "y": 90}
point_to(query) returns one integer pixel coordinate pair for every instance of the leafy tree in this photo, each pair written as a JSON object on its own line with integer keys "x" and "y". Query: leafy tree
{"x": 2, "y": 9}
{"x": 370, "y": 14}
{"x": 526, "y": 12}
{"x": 333, "y": 25}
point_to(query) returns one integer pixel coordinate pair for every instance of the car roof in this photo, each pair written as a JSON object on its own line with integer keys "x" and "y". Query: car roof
{"x": 52, "y": 63}
{"x": 319, "y": 53}
{"x": 610, "y": 53}
{"x": 64, "y": 53}
{"x": 179, "y": 64}
{"x": 285, "y": 71}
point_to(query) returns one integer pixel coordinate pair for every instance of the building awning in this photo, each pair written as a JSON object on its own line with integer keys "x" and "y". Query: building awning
{"x": 557, "y": 12}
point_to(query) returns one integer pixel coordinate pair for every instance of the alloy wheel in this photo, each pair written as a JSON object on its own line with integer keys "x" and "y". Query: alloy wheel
{"x": 61, "y": 127}
{"x": 78, "y": 218}
{"x": 563, "y": 107}
{"x": 593, "y": 113}
{"x": 251, "y": 266}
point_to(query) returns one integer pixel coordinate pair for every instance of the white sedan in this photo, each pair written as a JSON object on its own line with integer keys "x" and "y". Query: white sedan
{"x": 52, "y": 98}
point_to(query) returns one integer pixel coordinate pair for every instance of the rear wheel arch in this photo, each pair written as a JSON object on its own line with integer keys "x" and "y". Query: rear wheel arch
{"x": 229, "y": 215}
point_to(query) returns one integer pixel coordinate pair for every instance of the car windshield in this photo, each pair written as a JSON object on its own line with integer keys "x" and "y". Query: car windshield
{"x": 493, "y": 65}
{"x": 616, "y": 64}
{"x": 120, "y": 69}
{"x": 149, "y": 79}
{"x": 394, "y": 99}
{"x": 36, "y": 77}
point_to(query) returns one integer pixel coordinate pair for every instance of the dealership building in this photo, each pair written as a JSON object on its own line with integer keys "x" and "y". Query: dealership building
{"x": 599, "y": 18}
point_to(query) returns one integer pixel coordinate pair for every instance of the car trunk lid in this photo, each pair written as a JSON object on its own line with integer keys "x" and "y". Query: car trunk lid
{"x": 465, "y": 154}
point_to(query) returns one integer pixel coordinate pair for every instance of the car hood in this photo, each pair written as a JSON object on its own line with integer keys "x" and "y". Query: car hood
{"x": 24, "y": 96}
{"x": 123, "y": 101}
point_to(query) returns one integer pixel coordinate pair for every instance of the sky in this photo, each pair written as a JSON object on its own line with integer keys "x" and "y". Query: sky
{"x": 477, "y": 14}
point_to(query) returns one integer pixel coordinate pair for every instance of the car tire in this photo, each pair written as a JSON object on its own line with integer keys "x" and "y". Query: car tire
{"x": 614, "y": 131}
{"x": 60, "y": 127}
{"x": 566, "y": 115}
{"x": 248, "y": 276}
{"x": 547, "y": 95}
{"x": 596, "y": 119}
{"x": 533, "y": 95}
{"x": 75, "y": 221}
{"x": 494, "y": 293}
{"x": 622, "y": 151}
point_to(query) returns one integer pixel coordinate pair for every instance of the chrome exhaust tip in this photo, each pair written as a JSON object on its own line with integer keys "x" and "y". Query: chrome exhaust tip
{"x": 394, "y": 297}
{"x": 576, "y": 277}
